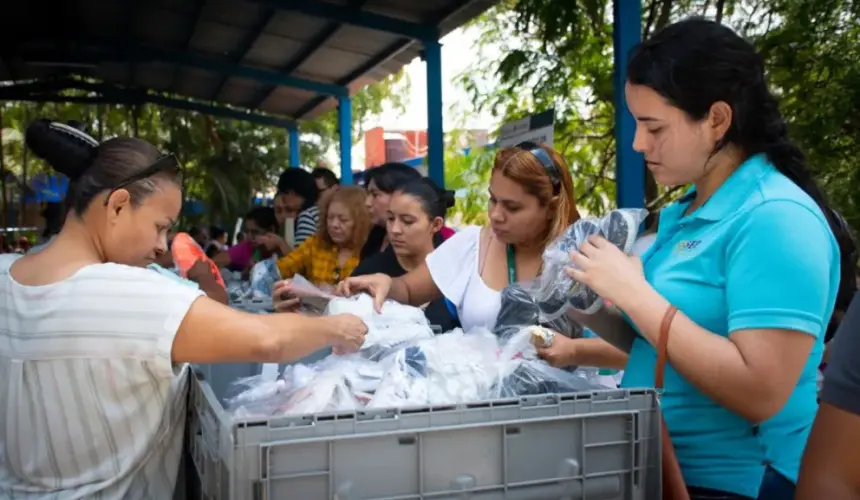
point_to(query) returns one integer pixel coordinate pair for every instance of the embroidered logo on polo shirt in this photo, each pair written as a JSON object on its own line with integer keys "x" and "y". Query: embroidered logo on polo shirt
{"x": 686, "y": 246}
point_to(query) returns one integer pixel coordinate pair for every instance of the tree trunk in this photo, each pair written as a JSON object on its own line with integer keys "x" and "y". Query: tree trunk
{"x": 721, "y": 5}
{"x": 101, "y": 117}
{"x": 3, "y": 175}
{"x": 24, "y": 161}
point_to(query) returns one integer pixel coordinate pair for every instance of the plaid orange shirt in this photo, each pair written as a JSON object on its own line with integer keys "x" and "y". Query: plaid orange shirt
{"x": 316, "y": 261}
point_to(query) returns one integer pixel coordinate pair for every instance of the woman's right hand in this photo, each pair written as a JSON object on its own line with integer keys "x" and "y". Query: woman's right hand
{"x": 377, "y": 285}
{"x": 347, "y": 332}
{"x": 283, "y": 300}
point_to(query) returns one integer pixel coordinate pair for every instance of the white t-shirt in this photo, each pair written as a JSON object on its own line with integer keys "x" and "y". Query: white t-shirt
{"x": 454, "y": 267}
{"x": 90, "y": 404}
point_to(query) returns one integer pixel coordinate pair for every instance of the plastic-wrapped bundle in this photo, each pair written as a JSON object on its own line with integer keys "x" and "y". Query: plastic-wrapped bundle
{"x": 313, "y": 299}
{"x": 264, "y": 274}
{"x": 519, "y": 307}
{"x": 336, "y": 383}
{"x": 396, "y": 323}
{"x": 446, "y": 369}
{"x": 526, "y": 377}
{"x": 556, "y": 290}
{"x": 443, "y": 369}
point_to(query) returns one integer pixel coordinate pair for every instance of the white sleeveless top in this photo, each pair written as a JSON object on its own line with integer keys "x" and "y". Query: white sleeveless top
{"x": 455, "y": 268}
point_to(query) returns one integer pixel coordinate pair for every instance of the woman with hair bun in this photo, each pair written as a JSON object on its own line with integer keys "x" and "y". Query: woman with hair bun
{"x": 94, "y": 349}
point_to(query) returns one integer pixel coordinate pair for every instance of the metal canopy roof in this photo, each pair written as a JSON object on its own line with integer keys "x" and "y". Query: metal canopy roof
{"x": 281, "y": 57}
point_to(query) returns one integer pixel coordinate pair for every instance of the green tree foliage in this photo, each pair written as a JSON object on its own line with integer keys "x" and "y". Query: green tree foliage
{"x": 225, "y": 162}
{"x": 534, "y": 55}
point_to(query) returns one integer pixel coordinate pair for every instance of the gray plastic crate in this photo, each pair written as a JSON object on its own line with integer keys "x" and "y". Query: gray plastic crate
{"x": 601, "y": 445}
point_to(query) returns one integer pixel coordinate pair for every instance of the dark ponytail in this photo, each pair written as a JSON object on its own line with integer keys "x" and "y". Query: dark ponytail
{"x": 695, "y": 63}
{"x": 790, "y": 161}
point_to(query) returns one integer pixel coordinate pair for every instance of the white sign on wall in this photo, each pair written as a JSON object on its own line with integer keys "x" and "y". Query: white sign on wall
{"x": 535, "y": 128}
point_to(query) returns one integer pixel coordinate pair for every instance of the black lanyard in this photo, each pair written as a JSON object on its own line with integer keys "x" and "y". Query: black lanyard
{"x": 512, "y": 265}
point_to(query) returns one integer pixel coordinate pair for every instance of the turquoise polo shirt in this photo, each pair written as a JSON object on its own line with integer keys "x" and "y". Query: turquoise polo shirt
{"x": 758, "y": 254}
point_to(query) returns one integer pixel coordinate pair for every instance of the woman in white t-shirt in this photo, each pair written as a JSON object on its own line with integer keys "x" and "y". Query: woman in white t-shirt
{"x": 531, "y": 203}
{"x": 93, "y": 346}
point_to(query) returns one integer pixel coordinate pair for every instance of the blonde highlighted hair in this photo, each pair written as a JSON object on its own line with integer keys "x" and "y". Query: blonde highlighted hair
{"x": 353, "y": 198}
{"x": 523, "y": 167}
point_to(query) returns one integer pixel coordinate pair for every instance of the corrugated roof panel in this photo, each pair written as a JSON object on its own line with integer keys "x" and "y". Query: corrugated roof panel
{"x": 106, "y": 20}
{"x": 295, "y": 26}
{"x": 273, "y": 51}
{"x": 286, "y": 101}
{"x": 236, "y": 14}
{"x": 360, "y": 40}
{"x": 238, "y": 91}
{"x": 154, "y": 75}
{"x": 332, "y": 64}
{"x": 159, "y": 27}
{"x": 196, "y": 83}
{"x": 215, "y": 38}
{"x": 416, "y": 12}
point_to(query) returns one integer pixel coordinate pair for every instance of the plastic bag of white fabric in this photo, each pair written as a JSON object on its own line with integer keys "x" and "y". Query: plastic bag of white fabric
{"x": 336, "y": 383}
{"x": 446, "y": 369}
{"x": 555, "y": 290}
{"x": 256, "y": 397}
{"x": 264, "y": 274}
{"x": 394, "y": 325}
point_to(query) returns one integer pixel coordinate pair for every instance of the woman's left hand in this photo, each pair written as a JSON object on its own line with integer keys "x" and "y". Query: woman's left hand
{"x": 562, "y": 352}
{"x": 604, "y": 268}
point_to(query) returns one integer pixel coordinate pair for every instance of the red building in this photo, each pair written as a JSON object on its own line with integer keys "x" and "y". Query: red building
{"x": 409, "y": 146}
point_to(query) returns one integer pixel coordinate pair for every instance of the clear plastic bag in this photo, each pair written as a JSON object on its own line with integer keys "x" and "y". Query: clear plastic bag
{"x": 446, "y": 369}
{"x": 336, "y": 383}
{"x": 555, "y": 290}
{"x": 519, "y": 307}
{"x": 264, "y": 274}
{"x": 522, "y": 373}
{"x": 312, "y": 299}
{"x": 396, "y": 324}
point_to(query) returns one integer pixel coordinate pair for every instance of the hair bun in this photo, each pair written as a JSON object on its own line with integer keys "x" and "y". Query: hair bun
{"x": 67, "y": 149}
{"x": 448, "y": 198}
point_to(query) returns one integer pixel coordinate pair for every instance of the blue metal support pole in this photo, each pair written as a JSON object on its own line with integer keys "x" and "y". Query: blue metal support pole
{"x": 629, "y": 165}
{"x": 344, "y": 126}
{"x": 435, "y": 126}
{"x": 295, "y": 156}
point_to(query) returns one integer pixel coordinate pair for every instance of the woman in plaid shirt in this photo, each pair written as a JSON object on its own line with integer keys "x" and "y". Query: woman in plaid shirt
{"x": 333, "y": 252}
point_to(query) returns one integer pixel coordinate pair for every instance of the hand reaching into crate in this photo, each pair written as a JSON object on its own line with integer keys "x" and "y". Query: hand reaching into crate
{"x": 347, "y": 331}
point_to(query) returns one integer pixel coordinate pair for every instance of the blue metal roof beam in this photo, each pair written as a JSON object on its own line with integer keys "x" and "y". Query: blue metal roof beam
{"x": 95, "y": 53}
{"x": 245, "y": 46}
{"x": 302, "y": 57}
{"x": 116, "y": 95}
{"x": 357, "y": 17}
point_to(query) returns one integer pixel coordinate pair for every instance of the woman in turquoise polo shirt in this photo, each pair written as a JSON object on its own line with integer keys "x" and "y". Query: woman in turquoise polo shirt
{"x": 748, "y": 256}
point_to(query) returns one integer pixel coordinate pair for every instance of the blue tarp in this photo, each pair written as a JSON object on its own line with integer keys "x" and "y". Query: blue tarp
{"x": 48, "y": 188}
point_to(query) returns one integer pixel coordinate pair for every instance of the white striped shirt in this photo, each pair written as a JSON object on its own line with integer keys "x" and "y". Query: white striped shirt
{"x": 307, "y": 223}
{"x": 90, "y": 404}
